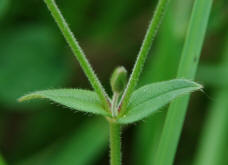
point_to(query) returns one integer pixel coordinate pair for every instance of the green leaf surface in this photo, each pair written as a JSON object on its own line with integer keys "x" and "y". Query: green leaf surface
{"x": 150, "y": 98}
{"x": 79, "y": 148}
{"x": 78, "y": 99}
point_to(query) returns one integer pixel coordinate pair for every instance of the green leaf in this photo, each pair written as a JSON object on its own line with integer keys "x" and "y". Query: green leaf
{"x": 150, "y": 98}
{"x": 78, "y": 99}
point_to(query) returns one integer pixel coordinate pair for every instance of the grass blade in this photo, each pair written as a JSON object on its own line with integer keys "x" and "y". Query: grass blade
{"x": 187, "y": 68}
{"x": 213, "y": 137}
{"x": 213, "y": 140}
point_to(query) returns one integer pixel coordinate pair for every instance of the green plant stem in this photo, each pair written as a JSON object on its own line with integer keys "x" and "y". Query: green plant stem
{"x": 78, "y": 52}
{"x": 144, "y": 51}
{"x": 114, "y": 104}
{"x": 187, "y": 68}
{"x": 115, "y": 143}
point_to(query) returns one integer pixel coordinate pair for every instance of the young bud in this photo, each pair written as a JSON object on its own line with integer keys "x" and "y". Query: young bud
{"x": 118, "y": 79}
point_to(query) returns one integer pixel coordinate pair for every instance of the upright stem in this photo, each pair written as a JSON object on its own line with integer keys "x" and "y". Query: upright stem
{"x": 144, "y": 51}
{"x": 78, "y": 52}
{"x": 115, "y": 143}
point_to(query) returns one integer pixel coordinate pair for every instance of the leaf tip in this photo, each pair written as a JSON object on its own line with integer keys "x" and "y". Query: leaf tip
{"x": 21, "y": 99}
{"x": 198, "y": 86}
{"x": 28, "y": 97}
{"x": 194, "y": 84}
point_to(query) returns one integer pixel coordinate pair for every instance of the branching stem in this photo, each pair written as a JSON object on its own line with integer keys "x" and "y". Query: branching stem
{"x": 78, "y": 52}
{"x": 144, "y": 51}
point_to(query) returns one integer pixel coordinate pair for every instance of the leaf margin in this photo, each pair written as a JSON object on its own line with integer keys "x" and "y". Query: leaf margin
{"x": 125, "y": 119}
{"x": 93, "y": 99}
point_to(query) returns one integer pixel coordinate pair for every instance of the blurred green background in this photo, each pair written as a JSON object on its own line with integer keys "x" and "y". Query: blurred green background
{"x": 34, "y": 56}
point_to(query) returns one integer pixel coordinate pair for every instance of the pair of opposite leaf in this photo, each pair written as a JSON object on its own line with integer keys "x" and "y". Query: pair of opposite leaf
{"x": 143, "y": 102}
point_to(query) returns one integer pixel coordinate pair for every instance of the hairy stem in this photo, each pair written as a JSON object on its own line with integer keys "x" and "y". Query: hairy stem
{"x": 144, "y": 51}
{"x": 166, "y": 55}
{"x": 115, "y": 143}
{"x": 78, "y": 52}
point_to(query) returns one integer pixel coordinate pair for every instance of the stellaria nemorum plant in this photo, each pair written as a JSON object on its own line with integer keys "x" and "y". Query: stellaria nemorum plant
{"x": 127, "y": 105}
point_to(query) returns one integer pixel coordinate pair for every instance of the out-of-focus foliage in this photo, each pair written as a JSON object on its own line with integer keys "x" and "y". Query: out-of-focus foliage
{"x": 3, "y": 7}
{"x": 214, "y": 134}
{"x": 209, "y": 79}
{"x": 80, "y": 147}
{"x": 30, "y": 60}
{"x": 34, "y": 56}
{"x": 2, "y": 162}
